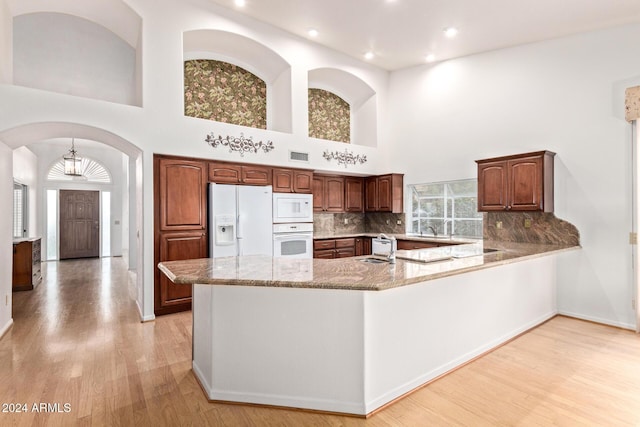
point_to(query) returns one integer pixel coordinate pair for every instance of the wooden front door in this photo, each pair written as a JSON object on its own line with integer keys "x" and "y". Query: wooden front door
{"x": 79, "y": 224}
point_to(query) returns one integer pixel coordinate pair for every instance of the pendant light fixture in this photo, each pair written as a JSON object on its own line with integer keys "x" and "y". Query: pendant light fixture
{"x": 72, "y": 163}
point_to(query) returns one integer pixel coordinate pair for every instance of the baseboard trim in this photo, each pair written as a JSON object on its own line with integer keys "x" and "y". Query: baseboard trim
{"x": 144, "y": 318}
{"x": 6, "y": 328}
{"x": 598, "y": 320}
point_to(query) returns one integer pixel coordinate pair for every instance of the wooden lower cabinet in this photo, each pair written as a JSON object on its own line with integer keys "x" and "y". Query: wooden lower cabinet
{"x": 177, "y": 246}
{"x": 411, "y": 244}
{"x": 341, "y": 248}
{"x": 27, "y": 270}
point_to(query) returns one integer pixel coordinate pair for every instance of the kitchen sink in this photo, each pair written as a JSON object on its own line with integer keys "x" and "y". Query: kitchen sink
{"x": 372, "y": 260}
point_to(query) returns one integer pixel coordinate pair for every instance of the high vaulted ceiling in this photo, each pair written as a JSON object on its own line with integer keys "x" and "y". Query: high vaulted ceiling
{"x": 401, "y": 33}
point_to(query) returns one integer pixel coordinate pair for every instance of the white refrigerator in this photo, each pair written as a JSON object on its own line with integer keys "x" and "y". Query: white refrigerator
{"x": 240, "y": 220}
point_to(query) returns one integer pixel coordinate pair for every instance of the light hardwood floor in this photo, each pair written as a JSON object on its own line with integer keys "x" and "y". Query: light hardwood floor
{"x": 77, "y": 339}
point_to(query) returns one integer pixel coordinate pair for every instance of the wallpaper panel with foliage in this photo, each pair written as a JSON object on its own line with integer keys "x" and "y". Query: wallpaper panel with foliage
{"x": 224, "y": 92}
{"x": 329, "y": 116}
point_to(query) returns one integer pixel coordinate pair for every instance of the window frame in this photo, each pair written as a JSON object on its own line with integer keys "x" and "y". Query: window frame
{"x": 20, "y": 209}
{"x": 448, "y": 218}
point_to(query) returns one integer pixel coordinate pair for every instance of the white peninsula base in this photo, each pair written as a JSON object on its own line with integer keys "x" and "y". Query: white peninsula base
{"x": 354, "y": 351}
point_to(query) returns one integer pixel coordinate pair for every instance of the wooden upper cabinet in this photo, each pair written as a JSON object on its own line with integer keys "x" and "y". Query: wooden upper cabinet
{"x": 328, "y": 193}
{"x": 255, "y": 175}
{"x": 384, "y": 193}
{"x": 371, "y": 194}
{"x": 354, "y": 194}
{"x": 292, "y": 181}
{"x": 302, "y": 181}
{"x": 231, "y": 173}
{"x": 225, "y": 173}
{"x": 492, "y": 186}
{"x": 180, "y": 192}
{"x": 516, "y": 183}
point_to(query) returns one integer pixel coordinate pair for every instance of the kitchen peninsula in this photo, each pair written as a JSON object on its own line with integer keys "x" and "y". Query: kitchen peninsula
{"x": 348, "y": 336}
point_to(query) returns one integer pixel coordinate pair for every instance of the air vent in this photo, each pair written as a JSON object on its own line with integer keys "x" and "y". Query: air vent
{"x": 299, "y": 156}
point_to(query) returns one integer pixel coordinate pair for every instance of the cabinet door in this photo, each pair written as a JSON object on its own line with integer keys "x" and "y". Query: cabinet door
{"x": 359, "y": 248}
{"x": 366, "y": 246}
{"x": 353, "y": 194}
{"x": 371, "y": 194}
{"x": 492, "y": 186}
{"x": 318, "y": 193}
{"x": 385, "y": 197}
{"x": 303, "y": 181}
{"x": 282, "y": 180}
{"x": 334, "y": 194}
{"x": 175, "y": 247}
{"x": 22, "y": 264}
{"x": 224, "y": 173}
{"x": 181, "y": 194}
{"x": 256, "y": 175}
{"x": 525, "y": 184}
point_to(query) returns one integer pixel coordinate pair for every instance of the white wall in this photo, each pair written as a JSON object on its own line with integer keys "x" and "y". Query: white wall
{"x": 6, "y": 44}
{"x": 25, "y": 171}
{"x": 564, "y": 95}
{"x": 6, "y": 248}
{"x": 80, "y": 58}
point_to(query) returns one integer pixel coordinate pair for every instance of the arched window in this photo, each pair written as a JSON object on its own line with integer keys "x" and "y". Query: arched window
{"x": 224, "y": 92}
{"x": 92, "y": 171}
{"x": 329, "y": 116}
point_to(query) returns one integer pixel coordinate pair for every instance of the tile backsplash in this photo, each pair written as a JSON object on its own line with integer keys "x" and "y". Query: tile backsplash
{"x": 371, "y": 222}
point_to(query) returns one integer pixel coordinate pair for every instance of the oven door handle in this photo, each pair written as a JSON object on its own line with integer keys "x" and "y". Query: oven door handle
{"x": 289, "y": 236}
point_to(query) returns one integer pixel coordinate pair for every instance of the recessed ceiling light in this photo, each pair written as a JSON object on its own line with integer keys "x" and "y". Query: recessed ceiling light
{"x": 240, "y": 3}
{"x": 368, "y": 55}
{"x": 430, "y": 57}
{"x": 450, "y": 32}
{"x": 313, "y": 32}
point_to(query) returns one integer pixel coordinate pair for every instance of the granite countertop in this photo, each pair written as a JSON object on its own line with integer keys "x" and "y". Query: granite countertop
{"x": 430, "y": 239}
{"x": 25, "y": 239}
{"x": 352, "y": 273}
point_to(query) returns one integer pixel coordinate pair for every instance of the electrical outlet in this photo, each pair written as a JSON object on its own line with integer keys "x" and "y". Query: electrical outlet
{"x": 6, "y": 299}
{"x": 399, "y": 222}
{"x": 346, "y": 221}
{"x": 633, "y": 238}
{"x": 633, "y": 304}
{"x": 388, "y": 222}
{"x": 527, "y": 223}
{"x": 499, "y": 225}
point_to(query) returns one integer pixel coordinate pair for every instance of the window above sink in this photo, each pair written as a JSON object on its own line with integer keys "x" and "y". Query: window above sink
{"x": 444, "y": 209}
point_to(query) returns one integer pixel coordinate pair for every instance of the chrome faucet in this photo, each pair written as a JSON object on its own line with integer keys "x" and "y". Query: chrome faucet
{"x": 433, "y": 230}
{"x": 450, "y": 222}
{"x": 392, "y": 253}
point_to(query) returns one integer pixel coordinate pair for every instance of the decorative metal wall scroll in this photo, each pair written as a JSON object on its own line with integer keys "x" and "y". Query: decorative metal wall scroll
{"x": 344, "y": 158}
{"x": 240, "y": 144}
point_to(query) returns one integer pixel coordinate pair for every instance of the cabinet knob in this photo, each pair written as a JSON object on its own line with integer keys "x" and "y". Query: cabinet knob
{"x": 508, "y": 208}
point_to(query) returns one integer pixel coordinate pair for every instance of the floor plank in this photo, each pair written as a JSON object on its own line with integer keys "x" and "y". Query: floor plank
{"x": 77, "y": 340}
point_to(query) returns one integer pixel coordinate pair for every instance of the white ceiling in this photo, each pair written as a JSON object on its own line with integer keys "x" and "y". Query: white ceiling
{"x": 402, "y": 32}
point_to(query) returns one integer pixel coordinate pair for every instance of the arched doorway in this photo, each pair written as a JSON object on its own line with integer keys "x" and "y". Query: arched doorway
{"x": 27, "y": 134}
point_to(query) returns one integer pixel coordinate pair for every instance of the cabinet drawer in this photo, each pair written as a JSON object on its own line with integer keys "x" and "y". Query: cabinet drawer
{"x": 345, "y": 252}
{"x": 325, "y": 254}
{"x": 324, "y": 244}
{"x": 345, "y": 243}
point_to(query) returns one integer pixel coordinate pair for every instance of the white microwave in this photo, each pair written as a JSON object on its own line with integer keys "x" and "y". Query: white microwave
{"x": 290, "y": 207}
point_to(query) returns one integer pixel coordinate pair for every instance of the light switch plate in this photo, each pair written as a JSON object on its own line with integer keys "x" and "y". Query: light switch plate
{"x": 499, "y": 225}
{"x": 633, "y": 238}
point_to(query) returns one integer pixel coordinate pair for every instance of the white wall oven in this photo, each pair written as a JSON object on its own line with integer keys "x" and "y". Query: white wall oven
{"x": 293, "y": 240}
{"x": 292, "y": 208}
